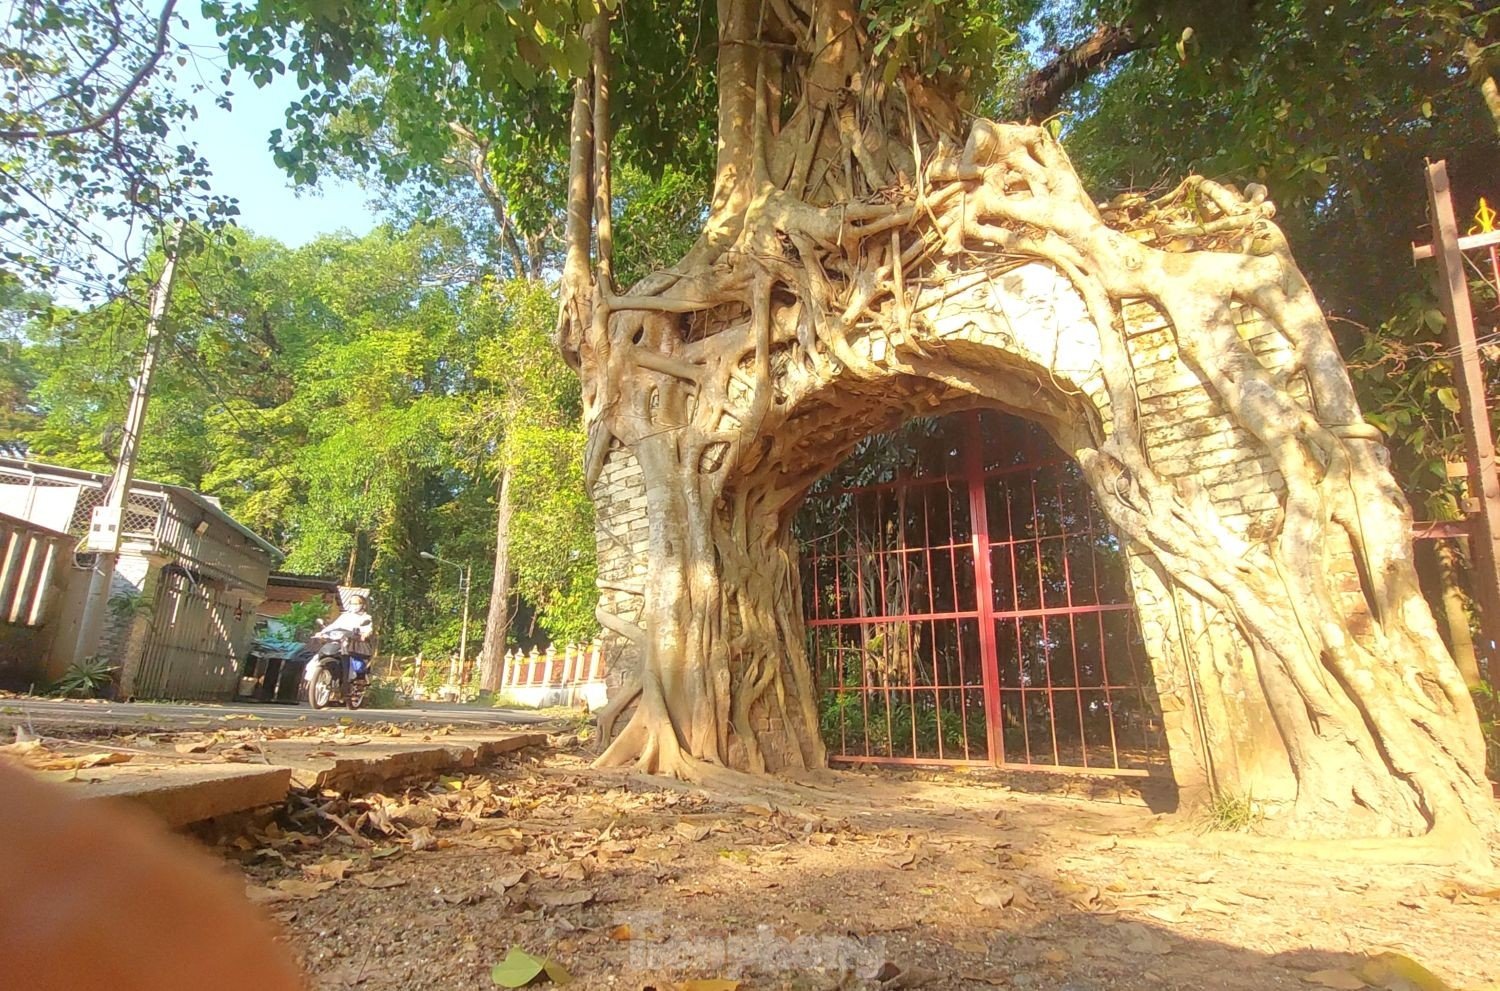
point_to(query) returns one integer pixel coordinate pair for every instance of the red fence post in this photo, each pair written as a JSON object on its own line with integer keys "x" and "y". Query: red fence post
{"x": 1468, "y": 375}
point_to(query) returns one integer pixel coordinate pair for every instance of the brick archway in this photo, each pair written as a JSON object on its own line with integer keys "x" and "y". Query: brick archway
{"x": 1029, "y": 332}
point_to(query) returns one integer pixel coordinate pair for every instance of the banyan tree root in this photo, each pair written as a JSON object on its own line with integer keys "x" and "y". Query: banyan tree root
{"x": 849, "y": 220}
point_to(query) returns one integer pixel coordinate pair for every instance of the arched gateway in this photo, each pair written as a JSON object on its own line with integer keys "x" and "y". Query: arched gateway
{"x": 1170, "y": 348}
{"x": 1030, "y": 330}
{"x": 967, "y": 603}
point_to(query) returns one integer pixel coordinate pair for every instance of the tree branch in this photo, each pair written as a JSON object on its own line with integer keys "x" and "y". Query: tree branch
{"x": 158, "y": 49}
{"x": 477, "y": 162}
{"x": 1045, "y": 89}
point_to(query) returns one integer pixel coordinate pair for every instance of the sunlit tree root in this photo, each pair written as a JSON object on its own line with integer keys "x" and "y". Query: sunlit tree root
{"x": 751, "y": 368}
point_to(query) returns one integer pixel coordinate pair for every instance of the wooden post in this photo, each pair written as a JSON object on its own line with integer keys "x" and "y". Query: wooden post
{"x": 1483, "y": 504}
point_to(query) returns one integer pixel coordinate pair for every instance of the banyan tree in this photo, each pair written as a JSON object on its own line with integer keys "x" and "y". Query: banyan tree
{"x": 873, "y": 252}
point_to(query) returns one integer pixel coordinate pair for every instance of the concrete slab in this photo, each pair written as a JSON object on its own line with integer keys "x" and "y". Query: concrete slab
{"x": 181, "y": 790}
{"x": 383, "y": 761}
{"x": 182, "y": 794}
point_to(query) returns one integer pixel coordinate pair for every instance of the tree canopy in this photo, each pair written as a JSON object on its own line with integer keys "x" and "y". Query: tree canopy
{"x": 348, "y": 400}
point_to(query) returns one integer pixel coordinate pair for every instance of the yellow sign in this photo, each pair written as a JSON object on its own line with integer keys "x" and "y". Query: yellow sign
{"x": 1484, "y": 218}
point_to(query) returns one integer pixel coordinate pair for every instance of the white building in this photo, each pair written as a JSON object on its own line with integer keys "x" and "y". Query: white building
{"x": 182, "y": 602}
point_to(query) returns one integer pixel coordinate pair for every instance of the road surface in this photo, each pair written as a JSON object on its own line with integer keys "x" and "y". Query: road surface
{"x": 166, "y": 715}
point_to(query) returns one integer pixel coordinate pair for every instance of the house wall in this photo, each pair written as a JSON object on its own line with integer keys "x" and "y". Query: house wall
{"x": 164, "y": 529}
{"x": 191, "y": 645}
{"x": 31, "y": 562}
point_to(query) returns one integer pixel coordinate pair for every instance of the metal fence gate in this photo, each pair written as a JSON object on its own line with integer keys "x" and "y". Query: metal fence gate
{"x": 967, "y": 603}
{"x": 189, "y": 653}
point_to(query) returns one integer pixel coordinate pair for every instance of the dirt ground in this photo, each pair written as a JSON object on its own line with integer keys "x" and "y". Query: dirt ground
{"x": 871, "y": 882}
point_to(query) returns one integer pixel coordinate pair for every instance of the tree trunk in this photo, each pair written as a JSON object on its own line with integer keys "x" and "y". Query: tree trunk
{"x": 1450, "y": 569}
{"x": 725, "y": 679}
{"x": 497, "y": 620}
{"x": 851, "y": 276}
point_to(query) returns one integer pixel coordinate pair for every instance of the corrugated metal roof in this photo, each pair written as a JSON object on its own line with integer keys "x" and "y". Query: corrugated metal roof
{"x": 207, "y": 504}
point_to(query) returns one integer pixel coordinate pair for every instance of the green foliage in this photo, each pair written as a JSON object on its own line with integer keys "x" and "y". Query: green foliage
{"x": 383, "y": 693}
{"x": 351, "y": 400}
{"x": 657, "y": 220}
{"x": 127, "y": 605}
{"x": 302, "y": 618}
{"x": 92, "y": 137}
{"x": 1404, "y": 373}
{"x": 85, "y": 678}
{"x": 1230, "y": 813}
{"x": 1487, "y": 701}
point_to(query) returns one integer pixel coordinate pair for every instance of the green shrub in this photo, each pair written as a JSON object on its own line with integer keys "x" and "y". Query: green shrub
{"x": 383, "y": 693}
{"x": 301, "y": 618}
{"x": 85, "y": 678}
{"x": 128, "y": 604}
{"x": 1487, "y": 701}
{"x": 1229, "y": 812}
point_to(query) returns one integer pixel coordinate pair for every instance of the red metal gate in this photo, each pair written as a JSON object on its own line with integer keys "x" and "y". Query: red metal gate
{"x": 967, "y": 604}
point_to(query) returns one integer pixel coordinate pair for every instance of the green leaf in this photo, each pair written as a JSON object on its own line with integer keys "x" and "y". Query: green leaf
{"x": 518, "y": 969}
{"x": 1448, "y": 396}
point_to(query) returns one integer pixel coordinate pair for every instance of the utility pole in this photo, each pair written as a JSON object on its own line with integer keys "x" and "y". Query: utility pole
{"x": 463, "y": 632}
{"x": 104, "y": 534}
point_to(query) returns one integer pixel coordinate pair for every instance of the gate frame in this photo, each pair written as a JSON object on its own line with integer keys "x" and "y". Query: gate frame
{"x": 974, "y": 477}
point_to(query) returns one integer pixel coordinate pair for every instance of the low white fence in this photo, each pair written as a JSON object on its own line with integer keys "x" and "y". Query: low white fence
{"x": 571, "y": 676}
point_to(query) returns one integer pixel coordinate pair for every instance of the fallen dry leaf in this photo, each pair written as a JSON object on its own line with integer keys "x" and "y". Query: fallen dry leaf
{"x": 620, "y": 933}
{"x": 1168, "y": 913}
{"x": 911, "y": 977}
{"x": 303, "y": 889}
{"x": 692, "y": 833}
{"x": 1392, "y": 971}
{"x": 379, "y": 881}
{"x": 260, "y": 895}
{"x": 903, "y": 859}
{"x": 329, "y": 870}
{"x": 422, "y": 839}
{"x": 1203, "y": 903}
{"x": 1004, "y": 896}
{"x": 196, "y": 747}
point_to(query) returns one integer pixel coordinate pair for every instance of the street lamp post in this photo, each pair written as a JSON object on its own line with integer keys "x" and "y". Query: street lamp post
{"x": 465, "y": 572}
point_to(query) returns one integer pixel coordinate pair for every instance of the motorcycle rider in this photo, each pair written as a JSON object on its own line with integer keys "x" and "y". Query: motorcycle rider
{"x": 354, "y": 624}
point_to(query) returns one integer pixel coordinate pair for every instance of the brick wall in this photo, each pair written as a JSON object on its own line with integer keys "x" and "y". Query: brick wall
{"x": 620, "y": 531}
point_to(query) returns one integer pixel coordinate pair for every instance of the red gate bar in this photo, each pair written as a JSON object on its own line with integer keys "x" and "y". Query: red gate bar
{"x": 944, "y": 640}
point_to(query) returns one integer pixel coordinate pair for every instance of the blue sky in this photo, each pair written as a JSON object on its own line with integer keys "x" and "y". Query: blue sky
{"x": 234, "y": 144}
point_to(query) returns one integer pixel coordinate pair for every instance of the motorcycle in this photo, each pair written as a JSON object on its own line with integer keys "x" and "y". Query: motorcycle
{"x": 333, "y": 674}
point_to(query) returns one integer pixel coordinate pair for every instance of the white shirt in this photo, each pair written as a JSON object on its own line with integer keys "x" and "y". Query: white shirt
{"x": 358, "y": 623}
